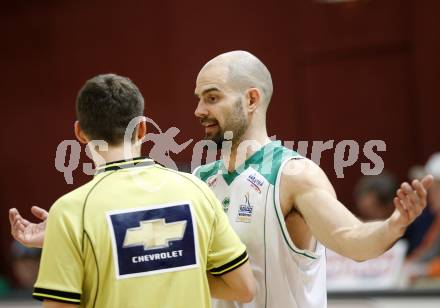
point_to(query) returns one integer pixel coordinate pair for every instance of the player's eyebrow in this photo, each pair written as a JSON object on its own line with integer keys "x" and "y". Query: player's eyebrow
{"x": 207, "y": 91}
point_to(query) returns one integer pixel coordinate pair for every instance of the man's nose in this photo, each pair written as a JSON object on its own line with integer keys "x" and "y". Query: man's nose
{"x": 201, "y": 110}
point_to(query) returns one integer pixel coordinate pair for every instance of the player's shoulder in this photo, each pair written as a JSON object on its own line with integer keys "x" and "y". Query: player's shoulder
{"x": 204, "y": 172}
{"x": 282, "y": 152}
{"x": 303, "y": 174}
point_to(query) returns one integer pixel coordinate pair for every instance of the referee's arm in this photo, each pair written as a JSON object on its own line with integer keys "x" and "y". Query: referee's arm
{"x": 236, "y": 285}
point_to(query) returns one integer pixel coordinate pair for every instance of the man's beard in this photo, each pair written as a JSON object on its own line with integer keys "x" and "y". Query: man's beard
{"x": 235, "y": 123}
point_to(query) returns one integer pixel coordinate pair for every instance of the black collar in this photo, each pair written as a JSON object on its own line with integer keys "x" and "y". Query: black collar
{"x": 123, "y": 164}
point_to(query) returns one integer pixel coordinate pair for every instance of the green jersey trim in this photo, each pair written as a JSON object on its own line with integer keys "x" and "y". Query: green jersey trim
{"x": 256, "y": 161}
{"x": 206, "y": 171}
{"x": 266, "y": 161}
{"x": 277, "y": 208}
{"x": 265, "y": 250}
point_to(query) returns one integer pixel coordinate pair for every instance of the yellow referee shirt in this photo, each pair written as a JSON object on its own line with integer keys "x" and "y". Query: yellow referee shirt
{"x": 137, "y": 235}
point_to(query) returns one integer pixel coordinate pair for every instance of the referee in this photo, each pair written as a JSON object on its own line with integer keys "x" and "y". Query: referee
{"x": 137, "y": 234}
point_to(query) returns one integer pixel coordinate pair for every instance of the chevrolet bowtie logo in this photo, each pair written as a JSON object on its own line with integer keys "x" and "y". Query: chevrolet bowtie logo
{"x": 153, "y": 234}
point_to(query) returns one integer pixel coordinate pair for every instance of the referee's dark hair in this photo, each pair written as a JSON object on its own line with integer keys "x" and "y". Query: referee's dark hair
{"x": 384, "y": 186}
{"x": 105, "y": 105}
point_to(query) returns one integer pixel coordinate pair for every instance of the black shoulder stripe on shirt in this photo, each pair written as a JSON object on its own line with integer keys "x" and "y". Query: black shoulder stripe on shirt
{"x": 60, "y": 296}
{"x": 226, "y": 268}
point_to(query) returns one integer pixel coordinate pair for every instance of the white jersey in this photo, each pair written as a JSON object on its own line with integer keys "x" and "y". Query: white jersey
{"x": 286, "y": 276}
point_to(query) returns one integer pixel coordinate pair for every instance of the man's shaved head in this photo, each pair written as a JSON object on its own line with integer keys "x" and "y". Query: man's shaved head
{"x": 234, "y": 90}
{"x": 243, "y": 71}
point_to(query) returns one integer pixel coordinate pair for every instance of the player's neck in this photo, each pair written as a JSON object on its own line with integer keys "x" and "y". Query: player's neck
{"x": 246, "y": 146}
{"x": 114, "y": 153}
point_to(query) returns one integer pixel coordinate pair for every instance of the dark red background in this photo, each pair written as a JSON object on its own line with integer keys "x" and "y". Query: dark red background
{"x": 361, "y": 70}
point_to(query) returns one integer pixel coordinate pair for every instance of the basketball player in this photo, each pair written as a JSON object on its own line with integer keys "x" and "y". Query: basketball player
{"x": 111, "y": 243}
{"x": 282, "y": 205}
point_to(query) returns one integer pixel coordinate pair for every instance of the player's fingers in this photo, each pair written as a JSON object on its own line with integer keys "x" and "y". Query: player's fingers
{"x": 406, "y": 188}
{"x": 421, "y": 193}
{"x": 397, "y": 204}
{"x": 17, "y": 216}
{"x": 39, "y": 212}
{"x": 25, "y": 222}
{"x": 399, "y": 207}
{"x": 410, "y": 207}
{"x": 12, "y": 213}
{"x": 17, "y": 231}
{"x": 427, "y": 181}
{"x": 412, "y": 195}
{"x": 14, "y": 218}
{"x": 18, "y": 225}
{"x": 402, "y": 198}
{"x": 420, "y": 190}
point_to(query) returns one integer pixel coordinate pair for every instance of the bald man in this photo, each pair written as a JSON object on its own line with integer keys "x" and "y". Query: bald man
{"x": 281, "y": 204}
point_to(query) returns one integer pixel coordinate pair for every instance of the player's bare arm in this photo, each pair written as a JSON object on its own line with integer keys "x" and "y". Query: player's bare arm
{"x": 237, "y": 285}
{"x": 28, "y": 233}
{"x": 307, "y": 192}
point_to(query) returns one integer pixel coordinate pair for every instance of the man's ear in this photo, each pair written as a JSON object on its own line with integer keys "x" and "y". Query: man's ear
{"x": 80, "y": 134}
{"x": 142, "y": 129}
{"x": 254, "y": 99}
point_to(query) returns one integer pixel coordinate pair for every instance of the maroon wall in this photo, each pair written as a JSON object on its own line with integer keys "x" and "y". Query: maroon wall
{"x": 362, "y": 70}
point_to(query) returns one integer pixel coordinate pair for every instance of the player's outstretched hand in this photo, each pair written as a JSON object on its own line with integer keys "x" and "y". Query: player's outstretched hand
{"x": 28, "y": 233}
{"x": 410, "y": 201}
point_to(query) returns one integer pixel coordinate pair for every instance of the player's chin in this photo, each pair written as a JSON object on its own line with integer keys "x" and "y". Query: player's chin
{"x": 211, "y": 135}
{"x": 217, "y": 138}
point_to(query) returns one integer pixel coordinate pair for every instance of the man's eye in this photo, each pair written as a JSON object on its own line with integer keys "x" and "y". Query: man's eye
{"x": 212, "y": 99}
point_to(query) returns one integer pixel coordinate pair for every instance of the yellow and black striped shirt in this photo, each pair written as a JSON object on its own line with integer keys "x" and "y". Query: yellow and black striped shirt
{"x": 137, "y": 235}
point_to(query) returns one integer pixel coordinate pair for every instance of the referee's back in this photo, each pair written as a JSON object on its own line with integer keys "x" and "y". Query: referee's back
{"x": 137, "y": 235}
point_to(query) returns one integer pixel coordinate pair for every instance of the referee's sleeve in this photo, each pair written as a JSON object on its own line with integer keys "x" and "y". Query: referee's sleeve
{"x": 226, "y": 251}
{"x": 61, "y": 269}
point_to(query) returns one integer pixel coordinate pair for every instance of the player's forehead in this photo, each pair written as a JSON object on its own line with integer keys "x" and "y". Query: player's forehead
{"x": 212, "y": 78}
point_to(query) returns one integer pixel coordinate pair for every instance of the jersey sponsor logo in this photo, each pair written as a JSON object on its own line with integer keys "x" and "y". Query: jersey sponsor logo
{"x": 245, "y": 210}
{"x": 256, "y": 183}
{"x": 153, "y": 234}
{"x": 153, "y": 240}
